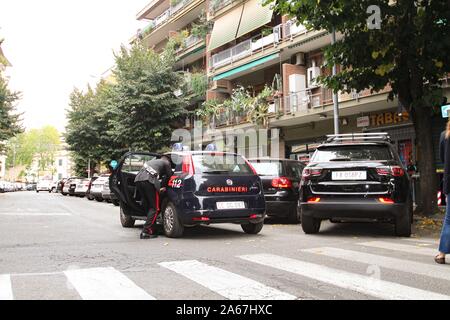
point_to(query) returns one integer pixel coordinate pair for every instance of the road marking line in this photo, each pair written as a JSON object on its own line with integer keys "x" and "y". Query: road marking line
{"x": 428, "y": 270}
{"x": 400, "y": 247}
{"x": 6, "y": 292}
{"x": 34, "y": 214}
{"x": 105, "y": 284}
{"x": 227, "y": 284}
{"x": 426, "y": 241}
{"x": 343, "y": 279}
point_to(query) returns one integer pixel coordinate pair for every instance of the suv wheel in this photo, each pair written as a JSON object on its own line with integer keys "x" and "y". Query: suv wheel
{"x": 295, "y": 216}
{"x": 99, "y": 199}
{"x": 252, "y": 228}
{"x": 173, "y": 228}
{"x": 310, "y": 225}
{"x": 403, "y": 224}
{"x": 125, "y": 220}
{"x": 116, "y": 203}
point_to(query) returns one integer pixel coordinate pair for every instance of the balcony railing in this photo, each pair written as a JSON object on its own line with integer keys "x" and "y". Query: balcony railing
{"x": 189, "y": 42}
{"x": 163, "y": 17}
{"x": 247, "y": 48}
{"x": 215, "y": 5}
{"x": 258, "y": 43}
{"x": 304, "y": 101}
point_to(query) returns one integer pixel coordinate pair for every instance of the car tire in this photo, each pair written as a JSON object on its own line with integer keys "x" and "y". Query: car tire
{"x": 37, "y": 191}
{"x": 99, "y": 199}
{"x": 403, "y": 224}
{"x": 310, "y": 225}
{"x": 125, "y": 220}
{"x": 173, "y": 228}
{"x": 295, "y": 216}
{"x": 252, "y": 228}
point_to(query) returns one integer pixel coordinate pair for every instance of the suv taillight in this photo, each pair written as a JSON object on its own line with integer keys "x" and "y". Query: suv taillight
{"x": 395, "y": 171}
{"x": 188, "y": 165}
{"x": 282, "y": 183}
{"x": 308, "y": 173}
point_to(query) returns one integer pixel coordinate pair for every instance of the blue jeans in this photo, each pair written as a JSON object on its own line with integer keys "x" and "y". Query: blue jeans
{"x": 444, "y": 245}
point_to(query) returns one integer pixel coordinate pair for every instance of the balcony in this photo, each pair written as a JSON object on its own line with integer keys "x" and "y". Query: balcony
{"x": 216, "y": 5}
{"x": 258, "y": 44}
{"x": 247, "y": 48}
{"x": 306, "y": 101}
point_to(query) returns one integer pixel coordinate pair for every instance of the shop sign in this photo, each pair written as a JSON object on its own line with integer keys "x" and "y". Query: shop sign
{"x": 388, "y": 118}
{"x": 362, "y": 122}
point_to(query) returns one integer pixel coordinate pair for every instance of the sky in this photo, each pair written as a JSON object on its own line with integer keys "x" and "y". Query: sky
{"x": 57, "y": 45}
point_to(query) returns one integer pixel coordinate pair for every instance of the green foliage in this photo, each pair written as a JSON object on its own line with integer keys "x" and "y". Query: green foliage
{"x": 136, "y": 112}
{"x": 199, "y": 84}
{"x": 201, "y": 27}
{"x": 40, "y": 144}
{"x": 9, "y": 118}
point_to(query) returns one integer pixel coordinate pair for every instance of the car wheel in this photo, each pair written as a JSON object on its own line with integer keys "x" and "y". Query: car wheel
{"x": 173, "y": 228}
{"x": 125, "y": 220}
{"x": 99, "y": 199}
{"x": 116, "y": 203}
{"x": 403, "y": 224}
{"x": 295, "y": 216}
{"x": 310, "y": 225}
{"x": 37, "y": 191}
{"x": 252, "y": 228}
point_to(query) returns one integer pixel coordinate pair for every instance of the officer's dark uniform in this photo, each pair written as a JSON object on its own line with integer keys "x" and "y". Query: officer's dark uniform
{"x": 147, "y": 182}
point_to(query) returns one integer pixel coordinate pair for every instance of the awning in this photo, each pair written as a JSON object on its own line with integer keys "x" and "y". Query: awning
{"x": 246, "y": 66}
{"x": 254, "y": 16}
{"x": 225, "y": 28}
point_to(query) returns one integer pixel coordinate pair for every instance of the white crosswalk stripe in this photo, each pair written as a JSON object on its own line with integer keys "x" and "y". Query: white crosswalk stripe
{"x": 6, "y": 292}
{"x": 225, "y": 283}
{"x": 420, "y": 250}
{"x": 363, "y": 284}
{"x": 105, "y": 284}
{"x": 423, "y": 269}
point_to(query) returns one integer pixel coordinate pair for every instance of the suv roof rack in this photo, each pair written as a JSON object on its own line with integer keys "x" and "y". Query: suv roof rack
{"x": 374, "y": 136}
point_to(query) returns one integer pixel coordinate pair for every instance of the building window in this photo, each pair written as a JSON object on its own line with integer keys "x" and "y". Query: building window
{"x": 60, "y": 176}
{"x": 60, "y": 162}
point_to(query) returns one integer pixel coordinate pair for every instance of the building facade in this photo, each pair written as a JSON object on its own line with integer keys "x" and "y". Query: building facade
{"x": 249, "y": 45}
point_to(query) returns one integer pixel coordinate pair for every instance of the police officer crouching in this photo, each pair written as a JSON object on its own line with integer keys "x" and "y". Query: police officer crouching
{"x": 147, "y": 182}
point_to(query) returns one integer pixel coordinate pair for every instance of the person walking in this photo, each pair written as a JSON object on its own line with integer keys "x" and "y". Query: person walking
{"x": 444, "y": 153}
{"x": 149, "y": 187}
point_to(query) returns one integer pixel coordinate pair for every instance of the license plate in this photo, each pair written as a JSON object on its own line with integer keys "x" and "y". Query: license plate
{"x": 230, "y": 205}
{"x": 349, "y": 175}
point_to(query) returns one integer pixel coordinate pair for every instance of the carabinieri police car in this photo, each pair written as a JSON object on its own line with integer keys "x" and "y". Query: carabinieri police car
{"x": 206, "y": 187}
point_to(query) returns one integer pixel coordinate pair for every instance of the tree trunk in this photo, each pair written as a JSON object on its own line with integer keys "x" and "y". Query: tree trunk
{"x": 427, "y": 201}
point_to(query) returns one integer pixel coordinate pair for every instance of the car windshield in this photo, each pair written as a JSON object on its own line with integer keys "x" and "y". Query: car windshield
{"x": 352, "y": 153}
{"x": 267, "y": 168}
{"x": 220, "y": 164}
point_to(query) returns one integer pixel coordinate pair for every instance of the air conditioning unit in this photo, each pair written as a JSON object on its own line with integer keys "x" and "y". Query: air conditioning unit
{"x": 313, "y": 73}
{"x": 299, "y": 59}
{"x": 221, "y": 86}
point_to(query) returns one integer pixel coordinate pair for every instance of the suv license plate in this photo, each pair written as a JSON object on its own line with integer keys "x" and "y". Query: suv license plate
{"x": 230, "y": 205}
{"x": 349, "y": 175}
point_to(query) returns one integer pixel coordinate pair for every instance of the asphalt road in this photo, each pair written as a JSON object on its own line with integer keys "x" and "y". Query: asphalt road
{"x": 56, "y": 247}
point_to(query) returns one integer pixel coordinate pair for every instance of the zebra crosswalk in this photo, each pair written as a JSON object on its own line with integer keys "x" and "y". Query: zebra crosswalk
{"x": 230, "y": 279}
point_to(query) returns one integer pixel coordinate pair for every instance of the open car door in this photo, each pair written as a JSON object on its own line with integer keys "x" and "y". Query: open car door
{"x": 122, "y": 184}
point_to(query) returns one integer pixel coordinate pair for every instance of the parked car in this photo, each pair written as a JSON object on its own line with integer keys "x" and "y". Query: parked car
{"x": 206, "y": 188}
{"x": 44, "y": 185}
{"x": 356, "y": 177}
{"x": 70, "y": 185}
{"x": 96, "y": 189}
{"x": 82, "y": 187}
{"x": 281, "y": 181}
{"x": 2, "y": 186}
{"x": 31, "y": 186}
{"x": 108, "y": 195}
{"x": 60, "y": 185}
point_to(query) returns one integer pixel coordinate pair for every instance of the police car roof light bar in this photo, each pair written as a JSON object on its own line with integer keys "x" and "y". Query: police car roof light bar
{"x": 369, "y": 136}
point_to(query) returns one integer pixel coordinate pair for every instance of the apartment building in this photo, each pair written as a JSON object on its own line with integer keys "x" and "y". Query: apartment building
{"x": 250, "y": 45}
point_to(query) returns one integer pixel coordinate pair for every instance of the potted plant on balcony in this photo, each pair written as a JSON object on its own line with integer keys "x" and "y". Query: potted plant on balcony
{"x": 259, "y": 109}
{"x": 208, "y": 112}
{"x": 240, "y": 102}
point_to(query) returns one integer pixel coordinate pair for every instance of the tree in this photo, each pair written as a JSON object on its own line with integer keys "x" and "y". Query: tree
{"x": 146, "y": 109}
{"x": 36, "y": 144}
{"x": 408, "y": 52}
{"x": 9, "y": 118}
